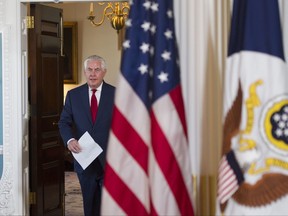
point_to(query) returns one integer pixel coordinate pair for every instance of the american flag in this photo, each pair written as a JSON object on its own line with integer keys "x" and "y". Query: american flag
{"x": 229, "y": 178}
{"x": 148, "y": 165}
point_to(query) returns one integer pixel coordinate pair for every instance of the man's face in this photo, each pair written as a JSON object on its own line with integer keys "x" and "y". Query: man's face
{"x": 94, "y": 73}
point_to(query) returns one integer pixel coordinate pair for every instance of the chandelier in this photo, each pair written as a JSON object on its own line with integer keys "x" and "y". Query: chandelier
{"x": 116, "y": 13}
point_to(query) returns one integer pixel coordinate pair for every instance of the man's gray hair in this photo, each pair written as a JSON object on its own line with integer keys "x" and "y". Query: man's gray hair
{"x": 97, "y": 58}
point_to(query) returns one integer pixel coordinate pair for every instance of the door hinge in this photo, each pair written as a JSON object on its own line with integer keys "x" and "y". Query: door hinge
{"x": 32, "y": 198}
{"x": 29, "y": 22}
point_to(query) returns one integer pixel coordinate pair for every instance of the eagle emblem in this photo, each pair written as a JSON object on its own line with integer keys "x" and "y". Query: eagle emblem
{"x": 265, "y": 137}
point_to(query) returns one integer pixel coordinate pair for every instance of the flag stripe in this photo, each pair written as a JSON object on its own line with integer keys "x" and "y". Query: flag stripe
{"x": 226, "y": 196}
{"x": 131, "y": 205}
{"x": 174, "y": 133}
{"x": 159, "y": 189}
{"x": 126, "y": 101}
{"x": 114, "y": 208}
{"x": 163, "y": 154}
{"x": 226, "y": 176}
{"x": 225, "y": 173}
{"x": 224, "y": 168}
{"x": 222, "y": 164}
{"x": 179, "y": 105}
{"x": 153, "y": 211}
{"x": 121, "y": 157}
{"x": 227, "y": 183}
{"x": 128, "y": 135}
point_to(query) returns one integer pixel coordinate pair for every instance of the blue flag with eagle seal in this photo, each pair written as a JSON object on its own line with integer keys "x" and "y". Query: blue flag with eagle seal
{"x": 253, "y": 171}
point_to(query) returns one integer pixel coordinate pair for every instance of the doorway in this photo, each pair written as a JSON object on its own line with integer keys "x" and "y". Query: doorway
{"x": 102, "y": 40}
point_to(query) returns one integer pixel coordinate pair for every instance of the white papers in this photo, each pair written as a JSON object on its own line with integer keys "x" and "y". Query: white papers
{"x": 90, "y": 150}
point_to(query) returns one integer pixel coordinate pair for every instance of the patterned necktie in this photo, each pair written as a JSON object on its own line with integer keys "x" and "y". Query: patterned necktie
{"x": 94, "y": 105}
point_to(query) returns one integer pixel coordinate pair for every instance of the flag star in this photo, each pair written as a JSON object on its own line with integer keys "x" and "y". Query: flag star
{"x": 144, "y": 47}
{"x": 146, "y": 26}
{"x": 128, "y": 23}
{"x": 143, "y": 68}
{"x": 153, "y": 29}
{"x": 163, "y": 77}
{"x": 154, "y": 7}
{"x": 147, "y": 5}
{"x": 126, "y": 44}
{"x": 168, "y": 33}
{"x": 170, "y": 13}
{"x": 276, "y": 117}
{"x": 166, "y": 55}
{"x": 279, "y": 132}
{"x": 131, "y": 2}
{"x": 281, "y": 124}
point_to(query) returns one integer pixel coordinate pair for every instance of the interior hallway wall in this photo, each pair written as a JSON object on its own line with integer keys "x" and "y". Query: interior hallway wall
{"x": 101, "y": 40}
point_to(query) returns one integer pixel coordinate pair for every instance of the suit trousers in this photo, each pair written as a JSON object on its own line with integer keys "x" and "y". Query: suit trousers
{"x": 91, "y": 186}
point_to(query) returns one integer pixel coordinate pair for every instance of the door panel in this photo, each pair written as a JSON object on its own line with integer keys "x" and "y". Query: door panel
{"x": 46, "y": 99}
{"x": 49, "y": 68}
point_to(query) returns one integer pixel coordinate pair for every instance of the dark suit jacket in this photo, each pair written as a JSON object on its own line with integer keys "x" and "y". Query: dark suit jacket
{"x": 76, "y": 118}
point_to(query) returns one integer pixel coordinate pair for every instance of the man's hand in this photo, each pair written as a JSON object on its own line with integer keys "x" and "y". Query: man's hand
{"x": 74, "y": 146}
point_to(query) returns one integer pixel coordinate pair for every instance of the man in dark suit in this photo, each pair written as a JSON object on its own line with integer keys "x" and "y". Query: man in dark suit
{"x": 76, "y": 119}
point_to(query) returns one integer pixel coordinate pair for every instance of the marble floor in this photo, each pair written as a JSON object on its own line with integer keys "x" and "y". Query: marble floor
{"x": 73, "y": 196}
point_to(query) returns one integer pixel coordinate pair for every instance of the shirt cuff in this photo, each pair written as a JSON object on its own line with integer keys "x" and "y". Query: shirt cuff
{"x": 70, "y": 140}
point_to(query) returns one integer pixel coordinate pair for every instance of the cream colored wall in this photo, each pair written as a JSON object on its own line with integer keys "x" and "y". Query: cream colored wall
{"x": 102, "y": 40}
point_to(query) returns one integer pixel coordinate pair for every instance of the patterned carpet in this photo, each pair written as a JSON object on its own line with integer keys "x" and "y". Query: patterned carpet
{"x": 73, "y": 196}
